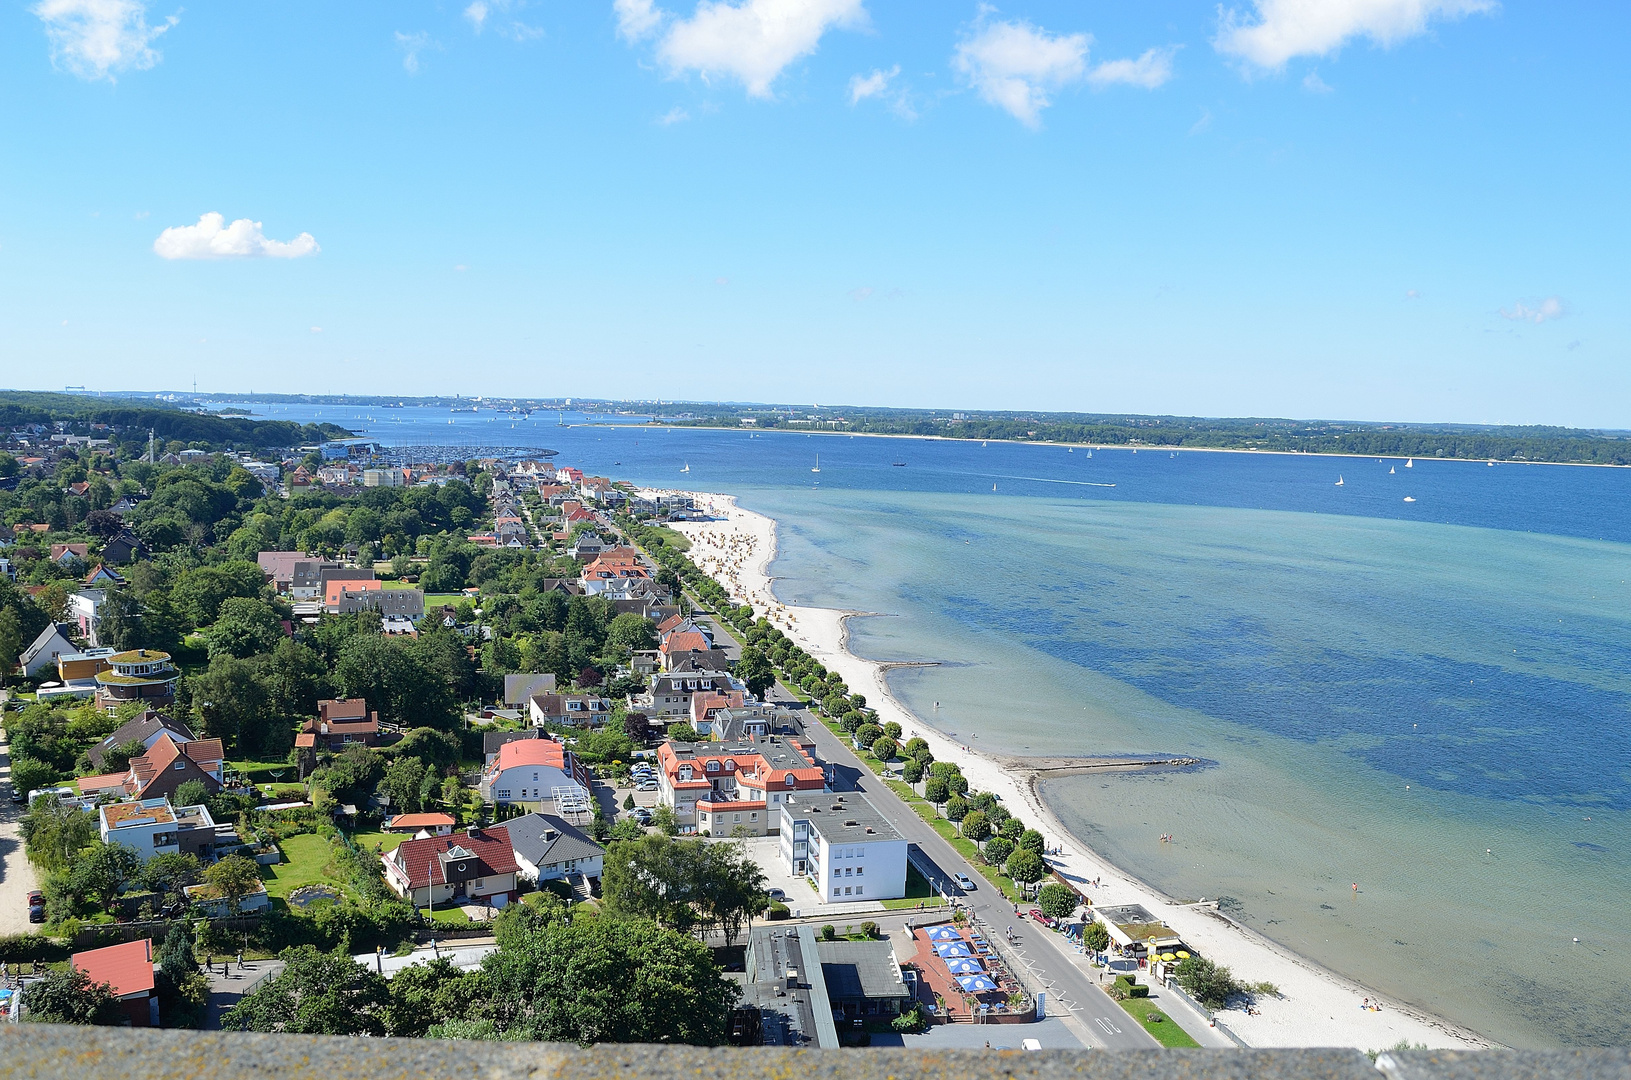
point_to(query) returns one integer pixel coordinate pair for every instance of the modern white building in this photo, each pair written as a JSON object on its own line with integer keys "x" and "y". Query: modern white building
{"x": 845, "y": 848}
{"x": 153, "y": 827}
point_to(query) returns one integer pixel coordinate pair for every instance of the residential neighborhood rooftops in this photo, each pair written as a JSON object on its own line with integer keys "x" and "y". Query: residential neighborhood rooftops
{"x": 489, "y": 848}
{"x": 414, "y": 822}
{"x": 127, "y": 968}
{"x": 131, "y": 814}
{"x": 531, "y": 752}
{"x": 547, "y": 838}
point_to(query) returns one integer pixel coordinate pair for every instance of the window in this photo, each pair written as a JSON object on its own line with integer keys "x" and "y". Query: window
{"x": 859, "y": 870}
{"x": 859, "y": 890}
{"x": 835, "y": 890}
{"x": 180, "y": 765}
{"x": 848, "y": 872}
{"x": 860, "y": 853}
{"x": 754, "y": 816}
{"x": 846, "y": 890}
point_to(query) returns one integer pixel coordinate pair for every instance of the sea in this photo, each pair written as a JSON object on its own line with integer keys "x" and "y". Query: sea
{"x": 1416, "y": 681}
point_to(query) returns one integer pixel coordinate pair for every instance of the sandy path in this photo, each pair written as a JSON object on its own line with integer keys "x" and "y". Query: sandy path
{"x": 16, "y": 873}
{"x": 1317, "y": 1007}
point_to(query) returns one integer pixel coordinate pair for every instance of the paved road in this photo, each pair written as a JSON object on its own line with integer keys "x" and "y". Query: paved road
{"x": 1052, "y": 963}
{"x": 16, "y": 874}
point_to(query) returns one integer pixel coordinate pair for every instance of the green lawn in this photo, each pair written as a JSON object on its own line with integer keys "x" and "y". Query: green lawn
{"x": 918, "y": 892}
{"x": 386, "y": 841}
{"x": 437, "y": 599}
{"x": 305, "y": 862}
{"x": 391, "y": 583}
{"x": 260, "y": 772}
{"x": 1166, "y": 1032}
{"x": 450, "y": 915}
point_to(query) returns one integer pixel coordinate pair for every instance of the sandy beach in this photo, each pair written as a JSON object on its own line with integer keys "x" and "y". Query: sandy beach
{"x": 1316, "y": 1007}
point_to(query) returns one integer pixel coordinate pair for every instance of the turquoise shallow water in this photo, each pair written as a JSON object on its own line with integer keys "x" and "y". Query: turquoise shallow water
{"x": 1430, "y": 698}
{"x": 1323, "y": 663}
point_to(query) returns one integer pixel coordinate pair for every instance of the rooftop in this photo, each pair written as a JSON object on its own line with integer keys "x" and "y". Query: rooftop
{"x": 132, "y": 814}
{"x": 842, "y": 817}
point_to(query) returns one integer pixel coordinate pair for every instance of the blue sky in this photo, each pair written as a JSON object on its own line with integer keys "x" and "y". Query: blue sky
{"x": 1378, "y": 209}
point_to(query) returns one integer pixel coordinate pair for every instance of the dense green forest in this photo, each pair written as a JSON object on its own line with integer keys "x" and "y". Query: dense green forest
{"x": 1549, "y": 444}
{"x": 134, "y": 417}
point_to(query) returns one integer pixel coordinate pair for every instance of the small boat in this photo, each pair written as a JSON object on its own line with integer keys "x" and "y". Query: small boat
{"x": 1391, "y": 471}
{"x": 817, "y": 464}
{"x": 1340, "y": 481}
{"x": 898, "y": 464}
{"x": 1410, "y": 463}
{"x": 1090, "y": 453}
{"x": 993, "y": 487}
{"x": 687, "y": 467}
{"x": 1409, "y": 498}
{"x": 1492, "y": 464}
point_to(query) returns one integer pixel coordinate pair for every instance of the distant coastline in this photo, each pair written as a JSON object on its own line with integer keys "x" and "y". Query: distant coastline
{"x": 1134, "y": 447}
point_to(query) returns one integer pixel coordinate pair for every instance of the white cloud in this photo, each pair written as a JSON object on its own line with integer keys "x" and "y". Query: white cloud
{"x": 751, "y": 41}
{"x": 1412, "y": 294}
{"x": 317, "y": 329}
{"x": 212, "y": 238}
{"x": 1314, "y": 84}
{"x": 637, "y": 19}
{"x": 95, "y": 38}
{"x": 676, "y": 115}
{"x": 1203, "y": 123}
{"x": 880, "y": 85}
{"x": 862, "y": 87}
{"x": 412, "y": 45}
{"x": 861, "y": 295}
{"x": 1016, "y": 66}
{"x": 477, "y": 14}
{"x": 1283, "y": 29}
{"x": 1149, "y": 71}
{"x": 480, "y": 10}
{"x": 1545, "y": 311}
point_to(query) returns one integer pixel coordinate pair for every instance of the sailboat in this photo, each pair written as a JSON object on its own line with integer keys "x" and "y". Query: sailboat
{"x": 1492, "y": 464}
{"x": 1090, "y": 453}
{"x": 1409, "y": 498}
{"x": 1391, "y": 471}
{"x": 817, "y": 464}
{"x": 1410, "y": 463}
{"x": 1340, "y": 481}
{"x": 993, "y": 487}
{"x": 687, "y": 467}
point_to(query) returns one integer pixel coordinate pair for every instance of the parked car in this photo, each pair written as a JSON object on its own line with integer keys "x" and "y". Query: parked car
{"x": 964, "y": 882}
{"x": 18, "y": 797}
{"x": 650, "y": 785}
{"x": 36, "y": 906}
{"x": 642, "y": 815}
{"x": 776, "y": 894}
{"x": 1036, "y": 913}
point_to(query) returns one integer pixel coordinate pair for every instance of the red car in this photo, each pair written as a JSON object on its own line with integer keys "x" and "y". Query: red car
{"x": 36, "y": 906}
{"x": 1036, "y": 913}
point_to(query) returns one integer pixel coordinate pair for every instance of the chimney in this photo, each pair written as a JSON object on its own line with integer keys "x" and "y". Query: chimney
{"x": 474, "y": 832}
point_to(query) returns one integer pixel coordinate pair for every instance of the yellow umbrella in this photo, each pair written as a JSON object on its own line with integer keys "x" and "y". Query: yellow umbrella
{"x": 1168, "y": 957}
{"x": 1182, "y": 955}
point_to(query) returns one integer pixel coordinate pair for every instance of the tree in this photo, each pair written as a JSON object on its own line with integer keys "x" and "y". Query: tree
{"x": 69, "y": 997}
{"x": 1031, "y": 840}
{"x": 1026, "y": 866}
{"x": 171, "y": 872}
{"x": 867, "y": 734}
{"x": 11, "y": 640}
{"x": 608, "y": 979}
{"x": 934, "y": 789}
{"x": 232, "y": 704}
{"x": 190, "y": 793}
{"x": 245, "y": 627}
{"x": 683, "y": 884}
{"x": 911, "y": 770}
{"x": 1096, "y": 936}
{"x": 976, "y": 826}
{"x": 997, "y": 849}
{"x": 1056, "y": 901}
{"x": 403, "y": 779}
{"x": 892, "y": 730}
{"x": 884, "y": 749}
{"x": 55, "y": 832}
{"x": 629, "y": 633}
{"x": 1209, "y": 983}
{"x": 234, "y": 877}
{"x": 315, "y": 994}
{"x": 353, "y": 773}
{"x": 637, "y": 726}
{"x": 683, "y": 733}
{"x": 31, "y": 774}
{"x": 956, "y": 808}
{"x": 423, "y": 995}
{"x": 628, "y": 801}
{"x": 103, "y": 871}
{"x": 755, "y": 669}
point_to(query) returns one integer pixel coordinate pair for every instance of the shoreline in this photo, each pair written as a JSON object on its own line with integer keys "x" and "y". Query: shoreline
{"x": 1102, "y": 446}
{"x": 738, "y": 550}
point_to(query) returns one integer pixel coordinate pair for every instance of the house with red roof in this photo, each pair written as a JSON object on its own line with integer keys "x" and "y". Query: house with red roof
{"x": 128, "y": 971}
{"x": 421, "y": 825}
{"x": 474, "y": 866}
{"x": 528, "y": 772}
{"x": 707, "y": 704}
{"x": 168, "y": 763}
{"x": 680, "y": 643}
{"x": 700, "y": 781}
